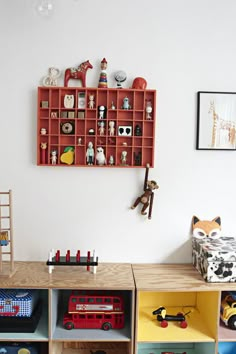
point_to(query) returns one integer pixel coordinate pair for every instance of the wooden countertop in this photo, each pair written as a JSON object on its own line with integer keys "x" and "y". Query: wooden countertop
{"x": 112, "y": 276}
{"x": 173, "y": 277}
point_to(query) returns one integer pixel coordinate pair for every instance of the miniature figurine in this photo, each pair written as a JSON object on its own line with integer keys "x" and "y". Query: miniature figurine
{"x": 101, "y": 112}
{"x": 90, "y": 153}
{"x": 54, "y": 157}
{"x": 123, "y": 158}
{"x": 78, "y": 73}
{"x": 91, "y": 131}
{"x": 137, "y": 130}
{"x": 111, "y": 160}
{"x": 79, "y": 141}
{"x": 148, "y": 196}
{"x": 43, "y": 147}
{"x": 69, "y": 101}
{"x": 137, "y": 158}
{"x": 43, "y": 131}
{"x": 103, "y": 75}
{"x": 139, "y": 83}
{"x": 148, "y": 110}
{"x": 111, "y": 128}
{"x": 126, "y": 104}
{"x": 100, "y": 156}
{"x": 206, "y": 228}
{"x": 101, "y": 128}
{"x": 91, "y": 103}
{"x": 120, "y": 77}
{"x": 112, "y": 105}
{"x": 51, "y": 78}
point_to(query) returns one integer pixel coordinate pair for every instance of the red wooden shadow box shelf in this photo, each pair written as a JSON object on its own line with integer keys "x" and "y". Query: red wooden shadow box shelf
{"x": 66, "y": 119}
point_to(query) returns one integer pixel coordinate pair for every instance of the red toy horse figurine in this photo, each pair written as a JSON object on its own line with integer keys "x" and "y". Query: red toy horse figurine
{"x": 78, "y": 73}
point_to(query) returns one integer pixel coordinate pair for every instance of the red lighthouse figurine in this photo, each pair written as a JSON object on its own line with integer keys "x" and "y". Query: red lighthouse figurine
{"x": 103, "y": 75}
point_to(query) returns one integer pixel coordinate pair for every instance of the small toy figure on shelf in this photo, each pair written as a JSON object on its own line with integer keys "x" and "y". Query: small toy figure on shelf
{"x": 120, "y": 77}
{"x": 123, "y": 158}
{"x": 101, "y": 112}
{"x": 101, "y": 128}
{"x": 43, "y": 131}
{"x": 43, "y": 147}
{"x": 112, "y": 105}
{"x": 111, "y": 160}
{"x": 54, "y": 157}
{"x": 91, "y": 103}
{"x": 69, "y": 101}
{"x": 103, "y": 75}
{"x": 90, "y": 153}
{"x": 79, "y": 141}
{"x": 100, "y": 156}
{"x": 111, "y": 128}
{"x": 78, "y": 73}
{"x": 148, "y": 196}
{"x": 126, "y": 104}
{"x": 164, "y": 318}
{"x": 51, "y": 78}
{"x": 148, "y": 110}
{"x": 137, "y": 130}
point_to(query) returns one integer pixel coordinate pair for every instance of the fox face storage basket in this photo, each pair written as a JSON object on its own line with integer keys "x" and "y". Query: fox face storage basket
{"x": 17, "y": 303}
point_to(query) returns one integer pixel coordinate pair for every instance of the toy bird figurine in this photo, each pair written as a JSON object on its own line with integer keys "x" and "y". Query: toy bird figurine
{"x": 148, "y": 196}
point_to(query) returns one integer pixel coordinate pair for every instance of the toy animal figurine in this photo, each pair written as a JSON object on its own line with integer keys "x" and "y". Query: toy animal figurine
{"x": 206, "y": 228}
{"x": 51, "y": 78}
{"x": 163, "y": 318}
{"x": 139, "y": 83}
{"x": 43, "y": 147}
{"x": 100, "y": 156}
{"x": 103, "y": 75}
{"x": 78, "y": 73}
{"x": 148, "y": 196}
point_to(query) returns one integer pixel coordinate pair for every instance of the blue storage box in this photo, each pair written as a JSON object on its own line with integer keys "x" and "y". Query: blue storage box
{"x": 17, "y": 303}
{"x": 18, "y": 348}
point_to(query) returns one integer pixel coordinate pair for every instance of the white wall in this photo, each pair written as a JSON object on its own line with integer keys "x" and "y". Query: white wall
{"x": 180, "y": 47}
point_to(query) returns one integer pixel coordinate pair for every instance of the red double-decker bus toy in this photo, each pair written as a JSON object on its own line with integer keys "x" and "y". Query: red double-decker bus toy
{"x": 94, "y": 311}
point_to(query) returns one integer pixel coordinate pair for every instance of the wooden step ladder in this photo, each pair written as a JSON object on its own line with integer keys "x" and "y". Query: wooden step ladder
{"x": 6, "y": 235}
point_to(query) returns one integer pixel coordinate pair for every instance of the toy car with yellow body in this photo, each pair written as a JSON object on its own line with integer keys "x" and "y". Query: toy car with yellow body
{"x": 228, "y": 311}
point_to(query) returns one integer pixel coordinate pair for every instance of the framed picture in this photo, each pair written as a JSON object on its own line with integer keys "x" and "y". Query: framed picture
{"x": 216, "y": 121}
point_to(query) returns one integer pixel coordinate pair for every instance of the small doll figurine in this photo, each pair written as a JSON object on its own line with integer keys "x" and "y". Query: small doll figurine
{"x": 101, "y": 128}
{"x": 91, "y": 103}
{"x": 90, "y": 154}
{"x": 147, "y": 197}
{"x": 54, "y": 157}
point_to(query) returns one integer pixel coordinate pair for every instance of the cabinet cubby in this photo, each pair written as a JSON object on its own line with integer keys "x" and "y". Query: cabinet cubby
{"x": 180, "y": 288}
{"x": 59, "y": 105}
{"x": 54, "y": 291}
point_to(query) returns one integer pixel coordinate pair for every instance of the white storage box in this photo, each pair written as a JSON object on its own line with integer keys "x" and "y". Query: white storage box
{"x": 215, "y": 259}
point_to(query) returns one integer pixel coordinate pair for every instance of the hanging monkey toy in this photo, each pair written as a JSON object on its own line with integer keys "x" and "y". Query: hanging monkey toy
{"x": 148, "y": 196}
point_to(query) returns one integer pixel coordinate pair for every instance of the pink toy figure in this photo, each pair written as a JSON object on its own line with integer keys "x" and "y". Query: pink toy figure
{"x": 111, "y": 128}
{"x": 43, "y": 147}
{"x": 103, "y": 75}
{"x": 91, "y": 103}
{"x": 90, "y": 154}
{"x": 101, "y": 128}
{"x": 54, "y": 157}
{"x": 78, "y": 73}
